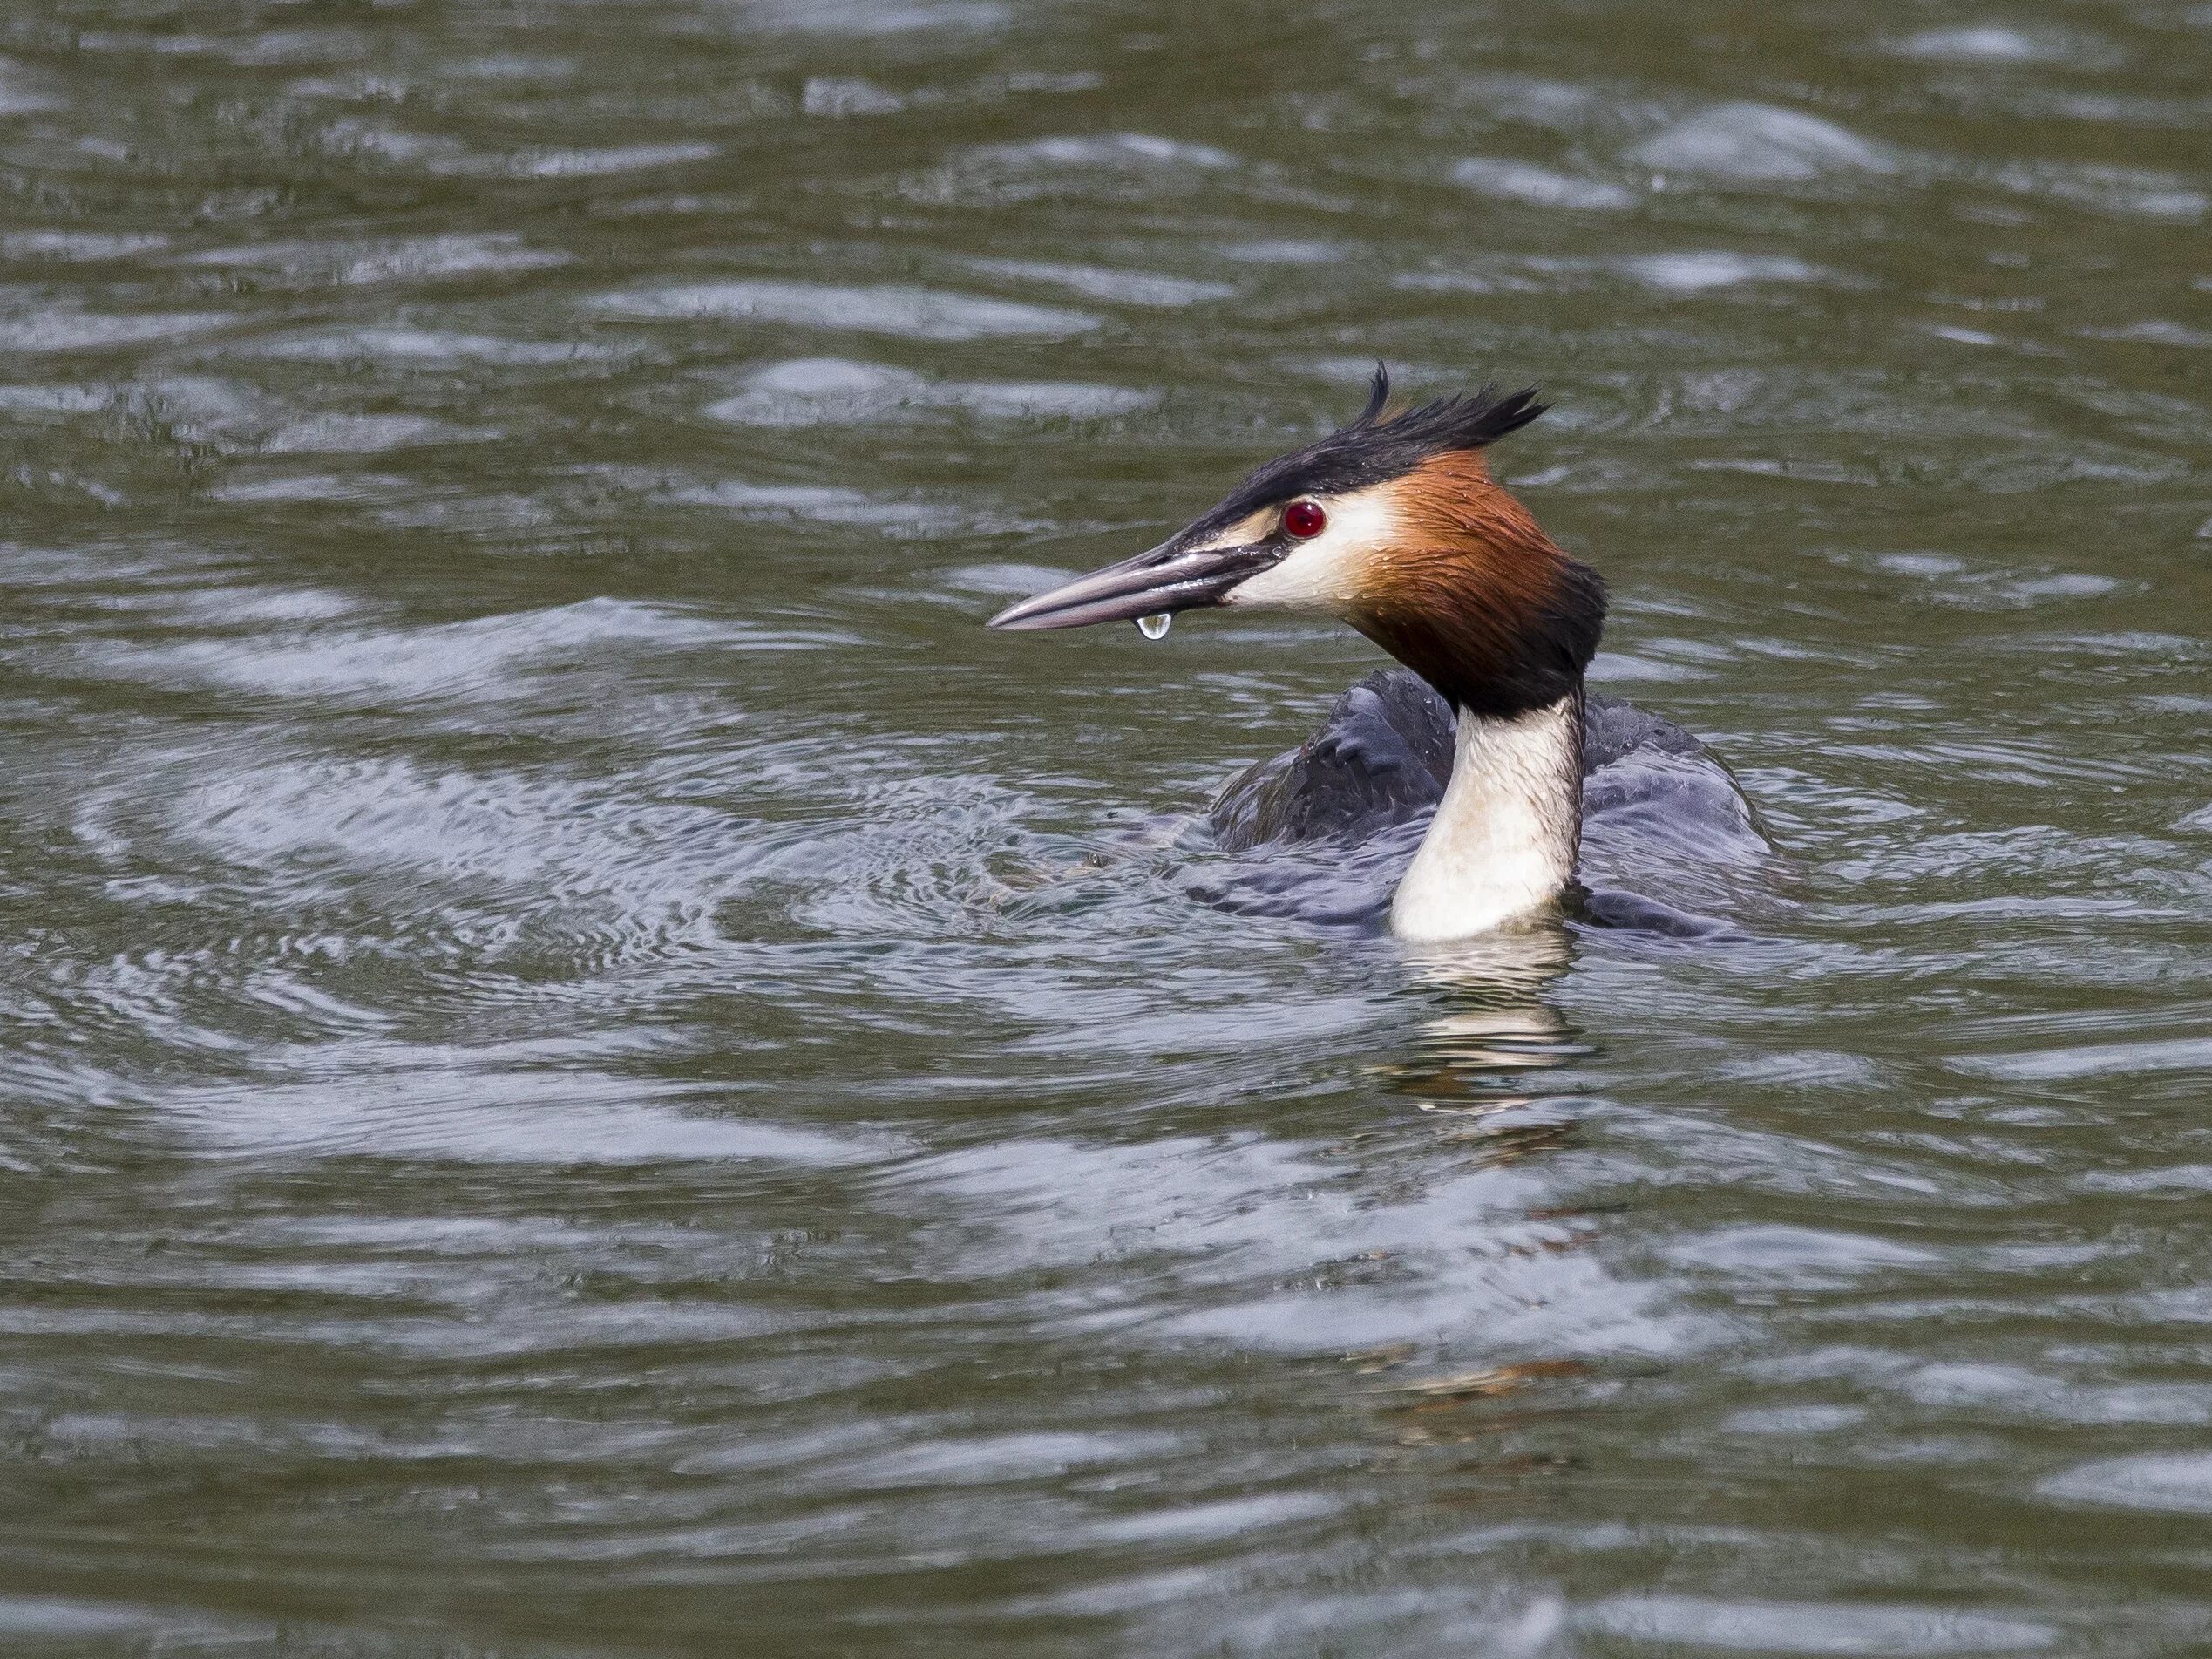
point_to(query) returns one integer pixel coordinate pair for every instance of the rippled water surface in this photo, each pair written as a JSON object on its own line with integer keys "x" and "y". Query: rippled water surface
{"x": 592, "y": 1068}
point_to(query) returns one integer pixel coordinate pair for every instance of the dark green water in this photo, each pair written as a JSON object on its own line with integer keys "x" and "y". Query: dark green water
{"x": 590, "y": 1068}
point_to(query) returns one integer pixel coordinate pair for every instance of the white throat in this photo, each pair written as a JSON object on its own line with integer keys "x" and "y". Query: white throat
{"x": 1503, "y": 840}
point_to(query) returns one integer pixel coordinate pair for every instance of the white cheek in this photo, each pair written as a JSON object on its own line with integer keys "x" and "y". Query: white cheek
{"x": 1327, "y": 573}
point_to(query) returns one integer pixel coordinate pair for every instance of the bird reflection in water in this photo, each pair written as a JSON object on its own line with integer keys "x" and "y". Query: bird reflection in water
{"x": 1476, "y": 1067}
{"x": 1477, "y": 1062}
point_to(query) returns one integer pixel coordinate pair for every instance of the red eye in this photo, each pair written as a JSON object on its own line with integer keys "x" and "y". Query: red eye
{"x": 1304, "y": 518}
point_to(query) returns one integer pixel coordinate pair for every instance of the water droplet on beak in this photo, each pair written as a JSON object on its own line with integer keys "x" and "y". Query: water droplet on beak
{"x": 1154, "y": 626}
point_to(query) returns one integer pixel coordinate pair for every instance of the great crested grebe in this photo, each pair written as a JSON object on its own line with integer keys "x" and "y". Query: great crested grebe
{"x": 1393, "y": 525}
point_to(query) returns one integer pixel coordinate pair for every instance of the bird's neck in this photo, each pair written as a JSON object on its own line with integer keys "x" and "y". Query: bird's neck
{"x": 1505, "y": 839}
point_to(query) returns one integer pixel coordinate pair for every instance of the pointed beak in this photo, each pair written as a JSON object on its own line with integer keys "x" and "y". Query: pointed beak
{"x": 1167, "y": 578}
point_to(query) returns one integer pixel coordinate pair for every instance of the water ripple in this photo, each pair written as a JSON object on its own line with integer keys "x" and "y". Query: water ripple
{"x": 925, "y": 314}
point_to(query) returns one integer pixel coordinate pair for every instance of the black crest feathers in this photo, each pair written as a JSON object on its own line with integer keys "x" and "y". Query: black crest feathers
{"x": 1445, "y": 423}
{"x": 1375, "y": 447}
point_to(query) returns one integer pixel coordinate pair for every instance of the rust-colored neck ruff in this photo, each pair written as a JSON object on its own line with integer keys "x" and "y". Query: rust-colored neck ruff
{"x": 1473, "y": 597}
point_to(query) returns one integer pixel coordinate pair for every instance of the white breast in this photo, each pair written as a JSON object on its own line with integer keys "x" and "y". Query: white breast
{"x": 1504, "y": 837}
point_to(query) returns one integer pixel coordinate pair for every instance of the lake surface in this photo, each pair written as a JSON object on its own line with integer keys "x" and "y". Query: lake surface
{"x": 592, "y": 1068}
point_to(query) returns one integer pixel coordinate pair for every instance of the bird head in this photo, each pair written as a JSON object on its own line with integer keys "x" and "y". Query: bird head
{"x": 1391, "y": 524}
